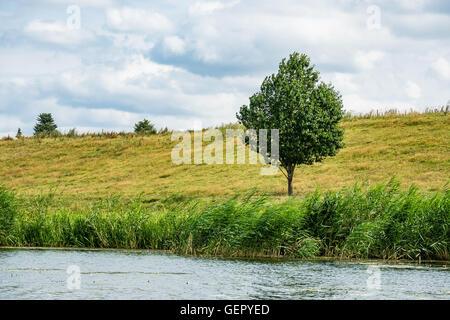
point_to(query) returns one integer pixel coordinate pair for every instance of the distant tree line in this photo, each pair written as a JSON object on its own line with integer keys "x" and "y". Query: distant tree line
{"x": 46, "y": 127}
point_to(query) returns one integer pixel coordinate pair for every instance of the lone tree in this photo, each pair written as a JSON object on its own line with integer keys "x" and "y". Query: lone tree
{"x": 144, "y": 127}
{"x": 45, "y": 124}
{"x": 19, "y": 134}
{"x": 306, "y": 113}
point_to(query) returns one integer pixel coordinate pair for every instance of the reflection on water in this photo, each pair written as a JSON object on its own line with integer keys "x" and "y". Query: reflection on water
{"x": 117, "y": 274}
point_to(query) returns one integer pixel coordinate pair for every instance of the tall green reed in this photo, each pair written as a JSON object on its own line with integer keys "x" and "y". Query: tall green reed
{"x": 361, "y": 221}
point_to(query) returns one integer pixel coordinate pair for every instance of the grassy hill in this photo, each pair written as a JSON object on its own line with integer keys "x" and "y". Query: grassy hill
{"x": 380, "y": 221}
{"x": 416, "y": 147}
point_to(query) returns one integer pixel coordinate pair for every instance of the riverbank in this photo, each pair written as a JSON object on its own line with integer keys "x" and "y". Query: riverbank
{"x": 382, "y": 222}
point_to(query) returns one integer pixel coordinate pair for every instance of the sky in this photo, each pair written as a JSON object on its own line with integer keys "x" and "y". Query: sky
{"x": 106, "y": 64}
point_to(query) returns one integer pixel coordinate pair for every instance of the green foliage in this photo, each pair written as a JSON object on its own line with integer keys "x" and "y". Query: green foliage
{"x": 72, "y": 133}
{"x": 19, "y": 134}
{"x": 164, "y": 130}
{"x": 144, "y": 127}
{"x": 7, "y": 213}
{"x": 360, "y": 222}
{"x": 45, "y": 125}
{"x": 306, "y": 113}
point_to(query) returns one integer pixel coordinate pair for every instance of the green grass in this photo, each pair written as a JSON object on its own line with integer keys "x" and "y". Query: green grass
{"x": 413, "y": 146}
{"x": 379, "y": 221}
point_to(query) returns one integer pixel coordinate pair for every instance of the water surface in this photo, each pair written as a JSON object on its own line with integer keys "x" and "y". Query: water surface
{"x": 121, "y": 274}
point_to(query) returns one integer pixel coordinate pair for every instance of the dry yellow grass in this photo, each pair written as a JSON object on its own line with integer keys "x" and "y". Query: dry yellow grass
{"x": 414, "y": 146}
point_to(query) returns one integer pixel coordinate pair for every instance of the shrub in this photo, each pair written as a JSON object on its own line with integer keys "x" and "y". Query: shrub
{"x": 144, "y": 127}
{"x": 7, "y": 138}
{"x": 19, "y": 134}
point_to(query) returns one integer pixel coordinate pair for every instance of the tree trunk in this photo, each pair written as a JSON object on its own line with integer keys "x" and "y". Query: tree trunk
{"x": 290, "y": 176}
{"x": 290, "y": 185}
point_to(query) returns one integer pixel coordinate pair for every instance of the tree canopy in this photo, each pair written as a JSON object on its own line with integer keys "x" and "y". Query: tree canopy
{"x": 144, "y": 127}
{"x": 304, "y": 110}
{"x": 45, "y": 124}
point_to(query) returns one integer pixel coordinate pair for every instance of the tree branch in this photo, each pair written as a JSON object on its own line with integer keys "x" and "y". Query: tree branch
{"x": 285, "y": 174}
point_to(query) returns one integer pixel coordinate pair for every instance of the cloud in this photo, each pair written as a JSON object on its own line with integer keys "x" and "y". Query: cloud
{"x": 15, "y": 63}
{"x": 416, "y": 25}
{"x": 201, "y": 60}
{"x": 345, "y": 82}
{"x": 9, "y": 125}
{"x": 412, "y": 4}
{"x": 138, "y": 20}
{"x": 442, "y": 67}
{"x": 84, "y": 3}
{"x": 367, "y": 60}
{"x": 57, "y": 32}
{"x": 138, "y": 67}
{"x": 413, "y": 90}
{"x": 175, "y": 45}
{"x": 208, "y": 7}
{"x": 138, "y": 87}
{"x": 137, "y": 42}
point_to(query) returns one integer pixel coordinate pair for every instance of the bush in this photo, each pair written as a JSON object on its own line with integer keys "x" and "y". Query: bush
{"x": 7, "y": 138}
{"x": 19, "y": 134}
{"x": 144, "y": 127}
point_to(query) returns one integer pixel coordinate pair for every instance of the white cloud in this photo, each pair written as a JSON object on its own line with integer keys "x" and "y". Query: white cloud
{"x": 411, "y": 4}
{"x": 138, "y": 20}
{"x": 208, "y": 7}
{"x": 137, "y": 66}
{"x": 132, "y": 41}
{"x": 14, "y": 62}
{"x": 344, "y": 82}
{"x": 9, "y": 125}
{"x": 368, "y": 60}
{"x": 132, "y": 67}
{"x": 74, "y": 82}
{"x": 206, "y": 52}
{"x": 413, "y": 90}
{"x": 442, "y": 67}
{"x": 85, "y": 3}
{"x": 57, "y": 32}
{"x": 357, "y": 104}
{"x": 67, "y": 116}
{"x": 158, "y": 90}
{"x": 175, "y": 45}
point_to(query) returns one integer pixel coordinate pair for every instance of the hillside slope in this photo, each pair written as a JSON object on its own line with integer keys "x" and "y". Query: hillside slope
{"x": 415, "y": 147}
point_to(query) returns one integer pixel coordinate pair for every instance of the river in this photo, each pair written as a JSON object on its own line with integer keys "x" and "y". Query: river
{"x": 128, "y": 274}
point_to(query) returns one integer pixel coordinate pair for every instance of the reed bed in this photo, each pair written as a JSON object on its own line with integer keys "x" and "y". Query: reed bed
{"x": 361, "y": 221}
